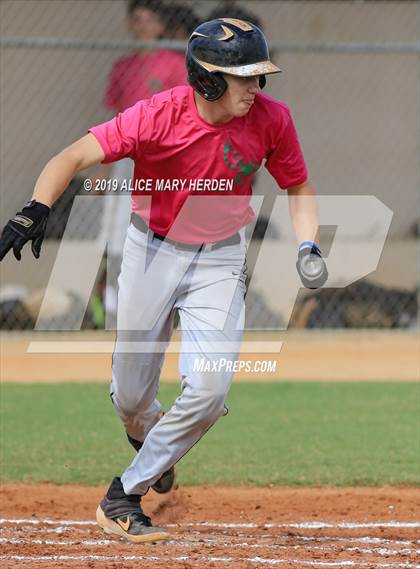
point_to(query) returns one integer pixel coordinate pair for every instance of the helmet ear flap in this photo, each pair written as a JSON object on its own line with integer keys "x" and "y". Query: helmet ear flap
{"x": 211, "y": 86}
{"x": 219, "y": 86}
{"x": 262, "y": 81}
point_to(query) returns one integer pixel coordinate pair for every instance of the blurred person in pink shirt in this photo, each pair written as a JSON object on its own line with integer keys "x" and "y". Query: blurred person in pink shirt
{"x": 134, "y": 77}
{"x": 142, "y": 73}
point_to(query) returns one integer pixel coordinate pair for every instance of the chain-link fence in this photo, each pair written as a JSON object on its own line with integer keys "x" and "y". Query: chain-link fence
{"x": 350, "y": 76}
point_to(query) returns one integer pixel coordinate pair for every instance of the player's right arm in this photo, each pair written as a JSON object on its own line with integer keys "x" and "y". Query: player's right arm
{"x": 30, "y": 223}
{"x": 61, "y": 169}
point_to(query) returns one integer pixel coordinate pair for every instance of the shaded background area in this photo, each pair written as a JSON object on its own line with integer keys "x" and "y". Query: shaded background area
{"x": 350, "y": 75}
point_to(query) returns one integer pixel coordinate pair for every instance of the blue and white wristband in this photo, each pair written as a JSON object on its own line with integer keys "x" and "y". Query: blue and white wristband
{"x": 311, "y": 245}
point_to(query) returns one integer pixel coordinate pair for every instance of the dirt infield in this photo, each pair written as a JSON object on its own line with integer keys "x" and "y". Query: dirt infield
{"x": 243, "y": 528}
{"x": 340, "y": 355}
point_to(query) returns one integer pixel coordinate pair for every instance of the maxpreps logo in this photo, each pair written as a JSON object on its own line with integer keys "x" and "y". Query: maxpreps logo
{"x": 235, "y": 161}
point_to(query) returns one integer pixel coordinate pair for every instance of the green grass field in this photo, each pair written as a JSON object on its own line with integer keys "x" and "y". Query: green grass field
{"x": 275, "y": 433}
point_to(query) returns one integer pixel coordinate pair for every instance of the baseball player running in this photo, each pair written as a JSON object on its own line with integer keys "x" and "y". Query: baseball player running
{"x": 195, "y": 148}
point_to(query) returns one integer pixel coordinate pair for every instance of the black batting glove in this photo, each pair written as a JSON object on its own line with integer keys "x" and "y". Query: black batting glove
{"x": 311, "y": 266}
{"x": 27, "y": 225}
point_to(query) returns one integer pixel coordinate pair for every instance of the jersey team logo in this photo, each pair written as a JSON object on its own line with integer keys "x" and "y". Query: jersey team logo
{"x": 235, "y": 161}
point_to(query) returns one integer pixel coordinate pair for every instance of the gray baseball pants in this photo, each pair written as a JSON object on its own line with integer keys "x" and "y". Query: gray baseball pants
{"x": 207, "y": 289}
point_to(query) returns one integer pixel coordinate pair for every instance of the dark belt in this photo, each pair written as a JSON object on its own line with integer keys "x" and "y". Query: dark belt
{"x": 140, "y": 224}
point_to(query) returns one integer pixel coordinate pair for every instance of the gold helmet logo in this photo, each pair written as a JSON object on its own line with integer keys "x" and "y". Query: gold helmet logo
{"x": 228, "y": 34}
{"x": 238, "y": 23}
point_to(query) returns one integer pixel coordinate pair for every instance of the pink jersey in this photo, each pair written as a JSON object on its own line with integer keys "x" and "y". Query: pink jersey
{"x": 193, "y": 180}
{"x": 141, "y": 75}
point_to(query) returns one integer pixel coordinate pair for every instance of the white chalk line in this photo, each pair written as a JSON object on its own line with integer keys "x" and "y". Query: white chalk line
{"x": 265, "y": 536}
{"x": 372, "y": 540}
{"x": 36, "y": 521}
{"x": 233, "y": 525}
{"x": 183, "y": 558}
{"x": 303, "y": 525}
{"x": 212, "y": 543}
{"x": 59, "y": 530}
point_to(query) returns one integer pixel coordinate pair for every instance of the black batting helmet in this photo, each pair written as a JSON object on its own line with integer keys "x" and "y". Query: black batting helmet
{"x": 230, "y": 46}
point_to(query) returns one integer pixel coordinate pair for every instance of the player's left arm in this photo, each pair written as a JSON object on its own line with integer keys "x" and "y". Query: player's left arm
{"x": 304, "y": 212}
{"x": 305, "y": 218}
